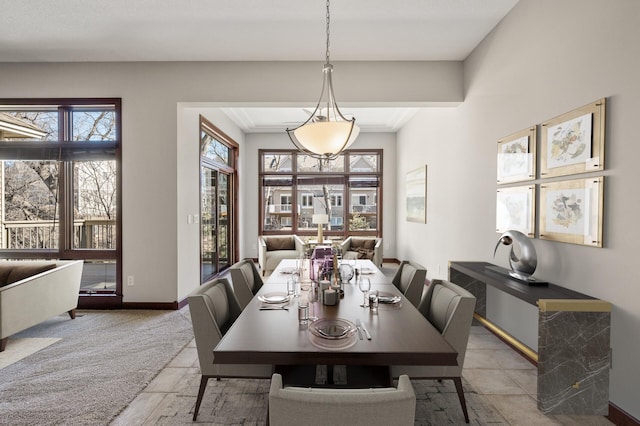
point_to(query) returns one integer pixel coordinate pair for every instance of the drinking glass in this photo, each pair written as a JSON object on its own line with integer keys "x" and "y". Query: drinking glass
{"x": 312, "y": 297}
{"x": 365, "y": 285}
{"x": 291, "y": 287}
{"x": 373, "y": 301}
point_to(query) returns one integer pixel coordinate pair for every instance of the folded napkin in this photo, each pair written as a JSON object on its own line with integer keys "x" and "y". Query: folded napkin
{"x": 389, "y": 299}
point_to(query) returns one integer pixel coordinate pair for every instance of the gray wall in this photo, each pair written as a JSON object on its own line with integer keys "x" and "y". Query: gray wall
{"x": 160, "y": 104}
{"x": 544, "y": 59}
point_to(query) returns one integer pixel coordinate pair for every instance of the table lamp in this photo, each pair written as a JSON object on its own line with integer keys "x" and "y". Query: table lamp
{"x": 320, "y": 220}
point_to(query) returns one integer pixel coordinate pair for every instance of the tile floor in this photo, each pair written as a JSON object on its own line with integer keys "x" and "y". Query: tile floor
{"x": 497, "y": 373}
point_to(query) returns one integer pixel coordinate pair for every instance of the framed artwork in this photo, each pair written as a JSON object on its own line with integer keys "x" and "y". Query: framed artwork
{"x": 517, "y": 156}
{"x": 515, "y": 209}
{"x": 417, "y": 195}
{"x": 571, "y": 211}
{"x": 574, "y": 142}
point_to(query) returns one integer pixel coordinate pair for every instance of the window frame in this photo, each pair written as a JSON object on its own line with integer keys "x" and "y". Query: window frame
{"x": 67, "y": 152}
{"x": 293, "y": 179}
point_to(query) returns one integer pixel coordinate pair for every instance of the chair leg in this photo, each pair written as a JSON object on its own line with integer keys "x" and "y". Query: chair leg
{"x": 203, "y": 385}
{"x": 3, "y": 343}
{"x": 72, "y": 314}
{"x": 458, "y": 383}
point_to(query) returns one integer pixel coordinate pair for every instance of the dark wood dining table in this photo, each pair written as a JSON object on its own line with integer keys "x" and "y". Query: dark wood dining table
{"x": 400, "y": 335}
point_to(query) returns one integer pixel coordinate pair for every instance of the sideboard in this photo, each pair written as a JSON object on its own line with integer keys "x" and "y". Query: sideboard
{"x": 573, "y": 355}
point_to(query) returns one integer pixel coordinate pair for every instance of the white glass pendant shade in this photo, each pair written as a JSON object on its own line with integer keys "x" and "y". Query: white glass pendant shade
{"x": 327, "y": 137}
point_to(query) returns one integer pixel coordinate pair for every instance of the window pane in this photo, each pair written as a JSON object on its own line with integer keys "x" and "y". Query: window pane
{"x": 29, "y": 125}
{"x": 278, "y": 208}
{"x": 94, "y": 220}
{"x": 274, "y": 163}
{"x": 363, "y": 163}
{"x": 93, "y": 125}
{"x": 215, "y": 150}
{"x": 363, "y": 215}
{"x": 310, "y": 164}
{"x": 314, "y": 199}
{"x": 30, "y": 205}
{"x": 98, "y": 276}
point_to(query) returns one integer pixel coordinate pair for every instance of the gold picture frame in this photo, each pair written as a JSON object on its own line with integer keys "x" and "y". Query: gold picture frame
{"x": 416, "y": 196}
{"x": 573, "y": 142}
{"x": 571, "y": 211}
{"x": 517, "y": 156}
{"x": 515, "y": 209}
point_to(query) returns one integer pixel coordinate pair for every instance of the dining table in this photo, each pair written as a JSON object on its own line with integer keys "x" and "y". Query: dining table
{"x": 399, "y": 333}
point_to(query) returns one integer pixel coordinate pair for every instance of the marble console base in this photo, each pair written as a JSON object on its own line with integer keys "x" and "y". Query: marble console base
{"x": 573, "y": 362}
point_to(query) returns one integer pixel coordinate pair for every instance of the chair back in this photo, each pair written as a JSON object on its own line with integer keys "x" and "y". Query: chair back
{"x": 213, "y": 308}
{"x": 324, "y": 406}
{"x": 450, "y": 308}
{"x": 246, "y": 281}
{"x": 409, "y": 279}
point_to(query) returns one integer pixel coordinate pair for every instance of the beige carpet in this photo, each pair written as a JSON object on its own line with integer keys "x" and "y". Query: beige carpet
{"x": 101, "y": 362}
{"x": 19, "y": 348}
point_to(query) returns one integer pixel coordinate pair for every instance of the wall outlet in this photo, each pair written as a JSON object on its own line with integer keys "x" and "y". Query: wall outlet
{"x": 130, "y": 281}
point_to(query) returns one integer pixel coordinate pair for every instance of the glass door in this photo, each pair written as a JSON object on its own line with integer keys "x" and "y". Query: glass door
{"x": 218, "y": 198}
{"x": 208, "y": 227}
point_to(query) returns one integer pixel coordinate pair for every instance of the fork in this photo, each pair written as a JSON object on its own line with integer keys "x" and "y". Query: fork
{"x": 359, "y": 327}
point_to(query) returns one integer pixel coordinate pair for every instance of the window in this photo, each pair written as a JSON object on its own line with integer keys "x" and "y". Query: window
{"x": 285, "y": 202}
{"x": 59, "y": 165}
{"x": 306, "y": 200}
{"x": 294, "y": 187}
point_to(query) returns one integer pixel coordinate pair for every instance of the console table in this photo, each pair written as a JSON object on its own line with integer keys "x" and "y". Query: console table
{"x": 573, "y": 338}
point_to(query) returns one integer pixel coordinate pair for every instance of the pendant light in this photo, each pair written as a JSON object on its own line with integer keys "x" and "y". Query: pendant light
{"x": 327, "y": 132}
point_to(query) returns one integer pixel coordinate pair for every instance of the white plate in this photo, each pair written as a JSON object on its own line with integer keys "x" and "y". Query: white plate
{"x": 332, "y": 328}
{"x": 274, "y": 297}
{"x": 335, "y": 344}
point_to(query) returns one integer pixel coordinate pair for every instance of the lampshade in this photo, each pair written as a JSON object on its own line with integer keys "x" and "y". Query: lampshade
{"x": 320, "y": 219}
{"x": 327, "y": 132}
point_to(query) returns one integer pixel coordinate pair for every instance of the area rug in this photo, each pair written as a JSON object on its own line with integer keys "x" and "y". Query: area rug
{"x": 244, "y": 402}
{"x": 103, "y": 360}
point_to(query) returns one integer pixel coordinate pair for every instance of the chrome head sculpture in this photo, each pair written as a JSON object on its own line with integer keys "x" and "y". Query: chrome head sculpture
{"x": 528, "y": 260}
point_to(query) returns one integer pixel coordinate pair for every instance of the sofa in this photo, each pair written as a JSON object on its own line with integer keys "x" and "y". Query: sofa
{"x": 273, "y": 248}
{"x": 32, "y": 291}
{"x": 363, "y": 248}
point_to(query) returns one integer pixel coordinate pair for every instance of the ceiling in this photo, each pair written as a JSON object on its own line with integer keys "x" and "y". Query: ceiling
{"x": 249, "y": 30}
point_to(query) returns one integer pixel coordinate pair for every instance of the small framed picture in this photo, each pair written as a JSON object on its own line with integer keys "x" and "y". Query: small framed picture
{"x": 517, "y": 156}
{"x": 515, "y": 209}
{"x": 571, "y": 211}
{"x": 574, "y": 142}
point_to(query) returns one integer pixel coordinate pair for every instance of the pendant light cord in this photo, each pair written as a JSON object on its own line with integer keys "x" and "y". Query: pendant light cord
{"x": 328, "y": 32}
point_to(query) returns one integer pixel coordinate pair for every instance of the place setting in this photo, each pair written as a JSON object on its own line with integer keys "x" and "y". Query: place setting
{"x": 276, "y": 300}
{"x": 333, "y": 333}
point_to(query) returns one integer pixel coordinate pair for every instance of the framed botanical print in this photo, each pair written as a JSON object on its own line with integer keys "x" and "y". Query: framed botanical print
{"x": 517, "y": 156}
{"x": 574, "y": 142}
{"x": 515, "y": 209}
{"x": 571, "y": 211}
{"x": 417, "y": 195}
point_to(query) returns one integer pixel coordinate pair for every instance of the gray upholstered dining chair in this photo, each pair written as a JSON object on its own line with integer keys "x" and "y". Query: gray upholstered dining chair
{"x": 409, "y": 279}
{"x": 246, "y": 281}
{"x": 325, "y": 406}
{"x": 449, "y": 308}
{"x": 214, "y": 309}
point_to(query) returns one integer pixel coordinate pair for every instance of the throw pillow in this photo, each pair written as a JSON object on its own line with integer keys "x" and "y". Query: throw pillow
{"x": 366, "y": 243}
{"x": 280, "y": 243}
{"x": 364, "y": 253}
{"x": 20, "y": 272}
